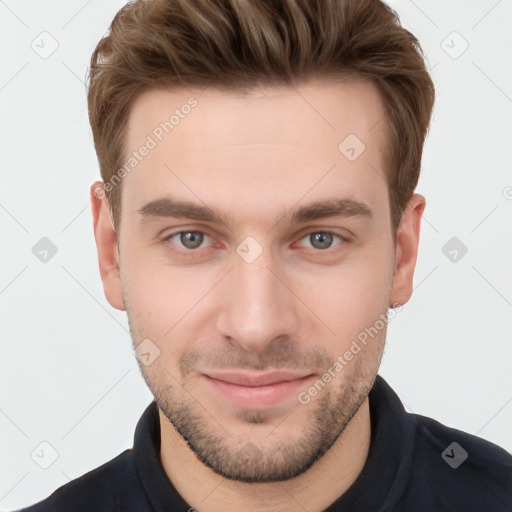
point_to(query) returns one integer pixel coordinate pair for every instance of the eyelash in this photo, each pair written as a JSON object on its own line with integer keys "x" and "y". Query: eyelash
{"x": 186, "y": 250}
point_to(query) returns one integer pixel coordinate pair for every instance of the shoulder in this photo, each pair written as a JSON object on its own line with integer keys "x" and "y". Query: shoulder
{"x": 100, "y": 489}
{"x": 473, "y": 472}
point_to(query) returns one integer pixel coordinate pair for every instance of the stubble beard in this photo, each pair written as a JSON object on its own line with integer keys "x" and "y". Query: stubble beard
{"x": 240, "y": 459}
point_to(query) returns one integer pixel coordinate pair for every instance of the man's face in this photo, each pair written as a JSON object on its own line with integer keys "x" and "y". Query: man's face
{"x": 250, "y": 307}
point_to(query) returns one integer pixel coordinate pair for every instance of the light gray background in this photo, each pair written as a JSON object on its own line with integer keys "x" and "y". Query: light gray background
{"x": 68, "y": 374}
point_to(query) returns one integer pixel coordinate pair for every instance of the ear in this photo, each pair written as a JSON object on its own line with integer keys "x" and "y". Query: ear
{"x": 407, "y": 240}
{"x": 106, "y": 244}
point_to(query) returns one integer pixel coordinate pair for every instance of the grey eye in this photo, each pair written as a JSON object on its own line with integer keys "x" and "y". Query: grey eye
{"x": 191, "y": 239}
{"x": 321, "y": 240}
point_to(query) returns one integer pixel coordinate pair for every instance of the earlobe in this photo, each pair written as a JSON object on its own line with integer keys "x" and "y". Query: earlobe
{"x": 106, "y": 244}
{"x": 407, "y": 241}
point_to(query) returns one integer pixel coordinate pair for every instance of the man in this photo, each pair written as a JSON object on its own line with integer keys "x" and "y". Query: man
{"x": 257, "y": 220}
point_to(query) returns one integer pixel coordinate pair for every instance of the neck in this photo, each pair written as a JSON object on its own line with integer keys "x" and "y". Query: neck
{"x": 313, "y": 490}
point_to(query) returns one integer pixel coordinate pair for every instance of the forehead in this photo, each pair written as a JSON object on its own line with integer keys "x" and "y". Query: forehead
{"x": 259, "y": 114}
{"x": 230, "y": 147}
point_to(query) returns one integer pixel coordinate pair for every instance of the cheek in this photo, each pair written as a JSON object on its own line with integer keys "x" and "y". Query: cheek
{"x": 163, "y": 299}
{"x": 349, "y": 298}
{"x": 157, "y": 310}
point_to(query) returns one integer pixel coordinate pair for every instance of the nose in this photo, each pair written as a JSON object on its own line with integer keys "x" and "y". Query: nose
{"x": 257, "y": 307}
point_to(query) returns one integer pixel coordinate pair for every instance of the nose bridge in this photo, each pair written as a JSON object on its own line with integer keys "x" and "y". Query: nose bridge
{"x": 258, "y": 307}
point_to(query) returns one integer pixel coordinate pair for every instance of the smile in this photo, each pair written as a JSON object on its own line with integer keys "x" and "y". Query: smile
{"x": 256, "y": 390}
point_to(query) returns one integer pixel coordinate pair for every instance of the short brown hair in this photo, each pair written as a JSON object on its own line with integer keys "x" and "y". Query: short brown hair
{"x": 240, "y": 44}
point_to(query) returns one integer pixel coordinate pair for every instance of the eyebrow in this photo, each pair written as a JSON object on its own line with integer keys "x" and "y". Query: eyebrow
{"x": 174, "y": 208}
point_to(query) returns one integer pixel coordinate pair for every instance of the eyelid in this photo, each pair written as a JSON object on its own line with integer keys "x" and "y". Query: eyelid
{"x": 170, "y": 236}
{"x": 335, "y": 234}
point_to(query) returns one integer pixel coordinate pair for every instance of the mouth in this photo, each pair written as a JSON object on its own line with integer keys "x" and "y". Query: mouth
{"x": 256, "y": 390}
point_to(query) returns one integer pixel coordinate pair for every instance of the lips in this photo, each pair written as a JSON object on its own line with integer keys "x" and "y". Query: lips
{"x": 255, "y": 379}
{"x": 256, "y": 390}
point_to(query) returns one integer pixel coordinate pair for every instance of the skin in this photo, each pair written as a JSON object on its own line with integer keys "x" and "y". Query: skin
{"x": 296, "y": 306}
